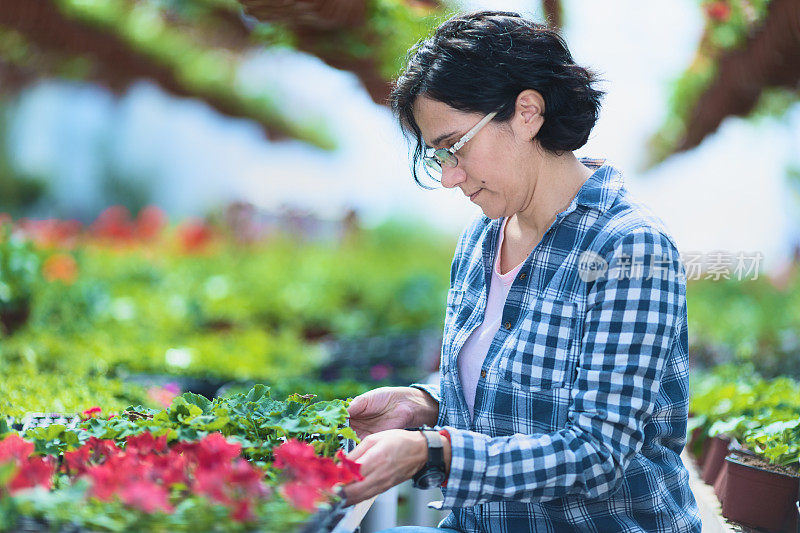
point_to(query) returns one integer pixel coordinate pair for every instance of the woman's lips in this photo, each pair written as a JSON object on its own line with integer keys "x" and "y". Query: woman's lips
{"x": 473, "y": 195}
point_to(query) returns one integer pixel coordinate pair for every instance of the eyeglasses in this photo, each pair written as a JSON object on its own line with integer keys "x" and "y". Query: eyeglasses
{"x": 446, "y": 157}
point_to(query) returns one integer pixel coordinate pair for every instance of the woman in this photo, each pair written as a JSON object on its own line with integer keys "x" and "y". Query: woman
{"x": 562, "y": 403}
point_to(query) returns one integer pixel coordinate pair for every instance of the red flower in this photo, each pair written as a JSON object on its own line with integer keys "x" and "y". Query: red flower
{"x": 51, "y": 233}
{"x": 348, "y": 470}
{"x": 92, "y": 412}
{"x": 302, "y": 495}
{"x": 209, "y": 483}
{"x": 14, "y": 447}
{"x": 30, "y": 471}
{"x": 311, "y": 477}
{"x": 102, "y": 449}
{"x": 34, "y": 472}
{"x": 215, "y": 450}
{"x": 114, "y": 224}
{"x": 150, "y": 222}
{"x": 76, "y": 461}
{"x": 719, "y": 11}
{"x": 172, "y": 468}
{"x": 293, "y": 454}
{"x": 243, "y": 511}
{"x": 142, "y": 474}
{"x": 145, "y": 495}
{"x": 194, "y": 236}
{"x": 146, "y": 443}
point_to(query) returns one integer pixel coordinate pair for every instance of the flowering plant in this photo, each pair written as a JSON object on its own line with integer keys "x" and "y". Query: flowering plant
{"x": 183, "y": 468}
{"x": 312, "y": 478}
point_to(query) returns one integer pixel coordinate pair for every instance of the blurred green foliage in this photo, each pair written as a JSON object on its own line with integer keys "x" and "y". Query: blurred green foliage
{"x": 733, "y": 400}
{"x": 749, "y": 321}
{"x": 240, "y": 313}
{"x": 19, "y": 271}
{"x": 202, "y": 69}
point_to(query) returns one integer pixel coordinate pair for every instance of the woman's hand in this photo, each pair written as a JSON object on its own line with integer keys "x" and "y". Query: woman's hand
{"x": 391, "y": 408}
{"x": 387, "y": 459}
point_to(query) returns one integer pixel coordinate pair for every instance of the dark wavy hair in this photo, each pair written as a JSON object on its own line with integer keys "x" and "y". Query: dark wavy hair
{"x": 480, "y": 62}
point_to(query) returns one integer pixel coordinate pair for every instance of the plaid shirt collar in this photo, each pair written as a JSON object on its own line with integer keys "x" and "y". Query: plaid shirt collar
{"x": 598, "y": 192}
{"x": 602, "y": 187}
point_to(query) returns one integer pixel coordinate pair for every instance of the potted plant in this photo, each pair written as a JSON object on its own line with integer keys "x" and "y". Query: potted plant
{"x": 240, "y": 463}
{"x": 760, "y": 495}
{"x": 19, "y": 272}
{"x": 762, "y": 487}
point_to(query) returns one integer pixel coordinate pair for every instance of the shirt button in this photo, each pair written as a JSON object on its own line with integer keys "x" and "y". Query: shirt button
{"x": 507, "y": 325}
{"x": 523, "y": 275}
{"x": 483, "y": 373}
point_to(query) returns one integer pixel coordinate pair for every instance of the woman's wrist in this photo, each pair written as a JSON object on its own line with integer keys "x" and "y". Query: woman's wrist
{"x": 427, "y": 411}
{"x": 447, "y": 451}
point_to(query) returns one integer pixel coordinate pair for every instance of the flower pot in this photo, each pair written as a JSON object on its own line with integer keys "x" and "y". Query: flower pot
{"x": 698, "y": 445}
{"x": 797, "y": 517}
{"x": 721, "y": 482}
{"x": 715, "y": 458}
{"x": 13, "y": 318}
{"x": 760, "y": 498}
{"x": 38, "y": 525}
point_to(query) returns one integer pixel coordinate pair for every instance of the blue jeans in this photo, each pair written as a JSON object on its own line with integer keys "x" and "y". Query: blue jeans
{"x": 418, "y": 529}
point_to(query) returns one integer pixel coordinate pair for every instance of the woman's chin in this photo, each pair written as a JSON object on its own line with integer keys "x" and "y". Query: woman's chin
{"x": 494, "y": 214}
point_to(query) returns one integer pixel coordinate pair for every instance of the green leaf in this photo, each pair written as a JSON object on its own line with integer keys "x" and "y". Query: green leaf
{"x": 200, "y": 401}
{"x": 54, "y": 431}
{"x": 258, "y": 391}
{"x": 6, "y": 472}
{"x": 72, "y": 440}
{"x": 348, "y": 433}
{"x": 332, "y": 413}
{"x": 304, "y": 399}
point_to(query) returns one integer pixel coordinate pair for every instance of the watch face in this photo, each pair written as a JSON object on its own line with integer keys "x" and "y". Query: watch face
{"x": 430, "y": 478}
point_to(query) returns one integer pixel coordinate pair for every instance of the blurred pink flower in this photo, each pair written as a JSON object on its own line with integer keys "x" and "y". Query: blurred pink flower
{"x": 380, "y": 371}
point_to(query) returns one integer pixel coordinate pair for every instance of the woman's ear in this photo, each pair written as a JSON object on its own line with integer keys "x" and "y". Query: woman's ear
{"x": 528, "y": 114}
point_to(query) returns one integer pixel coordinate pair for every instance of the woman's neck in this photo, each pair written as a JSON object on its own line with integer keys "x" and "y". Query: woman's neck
{"x": 558, "y": 180}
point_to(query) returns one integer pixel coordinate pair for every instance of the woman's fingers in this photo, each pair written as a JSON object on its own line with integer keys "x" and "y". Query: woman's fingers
{"x": 361, "y": 449}
{"x": 364, "y": 429}
{"x": 377, "y": 477}
{"x": 357, "y": 406}
{"x": 386, "y": 459}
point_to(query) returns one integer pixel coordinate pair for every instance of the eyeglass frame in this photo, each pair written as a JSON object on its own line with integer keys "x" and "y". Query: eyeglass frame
{"x": 438, "y": 157}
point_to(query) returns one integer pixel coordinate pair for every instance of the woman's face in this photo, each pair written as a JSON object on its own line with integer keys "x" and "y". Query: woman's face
{"x": 496, "y": 163}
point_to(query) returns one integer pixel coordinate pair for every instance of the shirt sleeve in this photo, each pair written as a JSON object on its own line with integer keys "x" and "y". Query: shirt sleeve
{"x": 632, "y": 321}
{"x": 432, "y": 390}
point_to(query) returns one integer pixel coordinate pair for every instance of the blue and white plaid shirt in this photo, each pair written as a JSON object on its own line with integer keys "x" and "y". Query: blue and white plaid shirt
{"x": 580, "y": 412}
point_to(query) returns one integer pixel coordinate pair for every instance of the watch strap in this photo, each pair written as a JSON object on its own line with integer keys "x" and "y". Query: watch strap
{"x": 435, "y": 460}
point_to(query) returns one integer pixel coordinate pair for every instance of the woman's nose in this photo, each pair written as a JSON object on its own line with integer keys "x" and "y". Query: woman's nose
{"x": 452, "y": 176}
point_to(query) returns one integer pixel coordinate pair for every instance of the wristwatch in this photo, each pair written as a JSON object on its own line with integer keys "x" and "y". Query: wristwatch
{"x": 432, "y": 474}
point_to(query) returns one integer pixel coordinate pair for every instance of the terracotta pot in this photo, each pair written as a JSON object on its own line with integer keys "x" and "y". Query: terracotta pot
{"x": 760, "y": 498}
{"x": 714, "y": 458}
